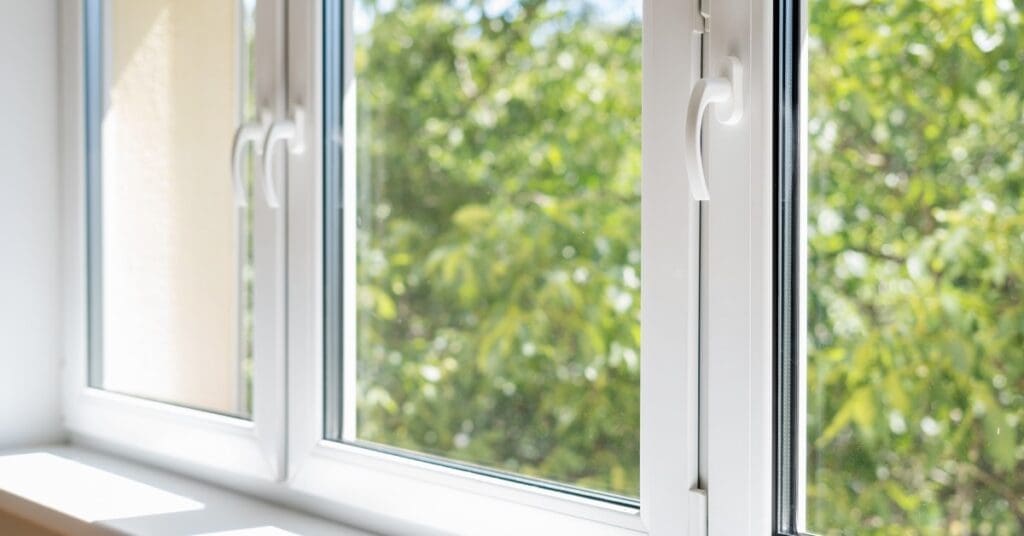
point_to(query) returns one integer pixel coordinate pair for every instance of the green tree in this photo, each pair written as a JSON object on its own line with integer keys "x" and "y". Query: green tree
{"x": 916, "y": 323}
{"x": 498, "y": 240}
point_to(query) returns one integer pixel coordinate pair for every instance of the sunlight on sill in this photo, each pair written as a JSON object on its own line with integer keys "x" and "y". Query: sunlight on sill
{"x": 85, "y": 492}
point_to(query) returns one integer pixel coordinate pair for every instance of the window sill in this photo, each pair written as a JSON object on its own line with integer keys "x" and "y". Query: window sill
{"x": 74, "y": 490}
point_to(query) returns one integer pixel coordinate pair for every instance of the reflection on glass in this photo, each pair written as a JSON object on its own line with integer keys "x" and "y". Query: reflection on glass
{"x": 176, "y": 252}
{"x": 497, "y": 247}
{"x": 915, "y": 366}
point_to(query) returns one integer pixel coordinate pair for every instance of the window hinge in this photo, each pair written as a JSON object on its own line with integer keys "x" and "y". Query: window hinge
{"x": 703, "y": 17}
{"x": 698, "y": 512}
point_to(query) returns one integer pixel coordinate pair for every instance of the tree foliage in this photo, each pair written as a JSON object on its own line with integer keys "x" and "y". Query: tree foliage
{"x": 498, "y": 243}
{"x": 916, "y": 230}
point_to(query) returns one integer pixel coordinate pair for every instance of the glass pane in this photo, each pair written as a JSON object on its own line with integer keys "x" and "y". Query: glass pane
{"x": 497, "y": 243}
{"x": 915, "y": 306}
{"x": 175, "y": 290}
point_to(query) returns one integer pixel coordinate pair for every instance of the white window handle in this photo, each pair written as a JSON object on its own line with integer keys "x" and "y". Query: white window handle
{"x": 724, "y": 91}
{"x": 291, "y": 130}
{"x": 246, "y": 133}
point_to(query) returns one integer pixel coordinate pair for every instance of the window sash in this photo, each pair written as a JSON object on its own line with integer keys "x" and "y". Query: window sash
{"x": 145, "y": 427}
{"x": 669, "y": 316}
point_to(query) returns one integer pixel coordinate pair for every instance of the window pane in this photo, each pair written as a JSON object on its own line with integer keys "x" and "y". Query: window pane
{"x": 175, "y": 290}
{"x": 915, "y": 328}
{"x": 496, "y": 253}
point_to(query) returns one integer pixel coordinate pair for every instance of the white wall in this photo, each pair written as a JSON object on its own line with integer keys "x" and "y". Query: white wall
{"x": 29, "y": 238}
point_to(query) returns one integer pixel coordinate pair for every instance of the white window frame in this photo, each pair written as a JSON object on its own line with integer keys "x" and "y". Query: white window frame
{"x": 282, "y": 456}
{"x": 738, "y": 257}
{"x": 162, "y": 432}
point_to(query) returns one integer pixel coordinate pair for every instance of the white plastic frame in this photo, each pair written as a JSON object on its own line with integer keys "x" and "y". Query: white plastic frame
{"x": 396, "y": 494}
{"x": 738, "y": 267}
{"x": 179, "y": 437}
{"x": 356, "y": 485}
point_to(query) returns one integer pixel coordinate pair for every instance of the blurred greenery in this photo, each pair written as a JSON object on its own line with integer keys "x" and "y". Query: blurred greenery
{"x": 916, "y": 267}
{"x": 498, "y": 249}
{"x": 498, "y": 238}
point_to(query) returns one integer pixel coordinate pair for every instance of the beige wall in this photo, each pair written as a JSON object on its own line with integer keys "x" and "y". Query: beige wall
{"x": 169, "y": 232}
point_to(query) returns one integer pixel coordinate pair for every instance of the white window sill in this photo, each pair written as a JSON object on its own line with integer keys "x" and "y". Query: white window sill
{"x": 74, "y": 490}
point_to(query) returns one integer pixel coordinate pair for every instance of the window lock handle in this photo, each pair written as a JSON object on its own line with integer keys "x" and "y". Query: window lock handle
{"x": 290, "y": 130}
{"x": 246, "y": 133}
{"x": 726, "y": 92}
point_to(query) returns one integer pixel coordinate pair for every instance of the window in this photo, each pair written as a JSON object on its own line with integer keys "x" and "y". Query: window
{"x": 456, "y": 275}
{"x": 489, "y": 250}
{"x": 481, "y": 307}
{"x": 393, "y": 257}
{"x": 901, "y": 241}
{"x": 184, "y": 354}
